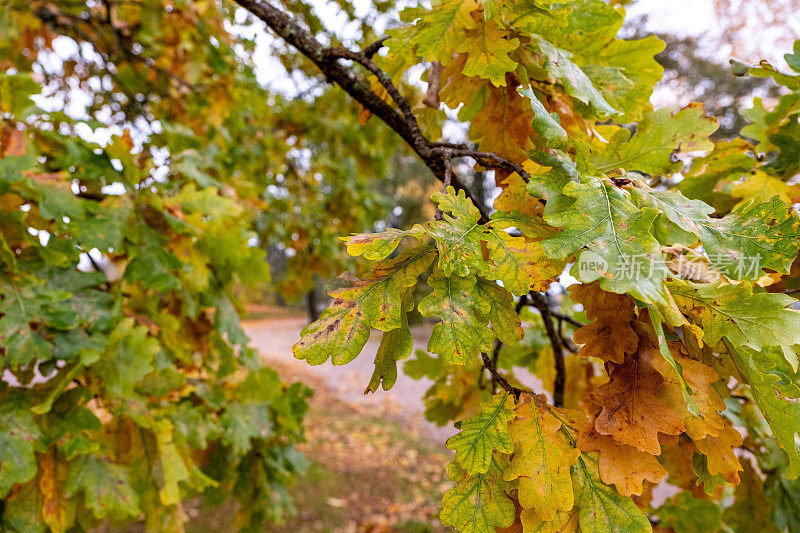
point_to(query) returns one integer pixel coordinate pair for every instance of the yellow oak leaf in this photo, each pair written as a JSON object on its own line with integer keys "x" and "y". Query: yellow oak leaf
{"x": 563, "y": 522}
{"x": 541, "y": 462}
{"x": 763, "y": 187}
{"x": 58, "y": 511}
{"x": 487, "y": 47}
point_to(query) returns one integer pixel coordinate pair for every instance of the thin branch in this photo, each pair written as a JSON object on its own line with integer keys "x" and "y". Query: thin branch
{"x": 499, "y": 379}
{"x": 567, "y": 343}
{"x": 566, "y": 318}
{"x": 487, "y": 159}
{"x": 448, "y": 178}
{"x": 540, "y": 302}
{"x": 522, "y": 302}
{"x": 373, "y": 49}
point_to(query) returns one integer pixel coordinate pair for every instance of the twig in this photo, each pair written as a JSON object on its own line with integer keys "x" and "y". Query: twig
{"x": 373, "y": 49}
{"x": 541, "y": 303}
{"x": 568, "y": 319}
{"x": 569, "y": 345}
{"x": 499, "y": 379}
{"x": 522, "y": 302}
{"x": 432, "y": 94}
{"x": 448, "y": 178}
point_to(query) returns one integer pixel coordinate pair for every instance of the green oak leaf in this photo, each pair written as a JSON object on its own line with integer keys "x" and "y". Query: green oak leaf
{"x": 23, "y": 511}
{"x": 506, "y": 323}
{"x": 705, "y": 479}
{"x": 240, "y": 423}
{"x": 776, "y": 391}
{"x": 105, "y": 486}
{"x": 395, "y": 345}
{"x": 620, "y": 249}
{"x": 740, "y": 244}
{"x": 19, "y": 439}
{"x": 343, "y": 329}
{"x": 478, "y": 503}
{"x": 462, "y": 333}
{"x": 488, "y": 52}
{"x": 544, "y": 123}
{"x": 467, "y": 247}
{"x": 746, "y": 319}
{"x": 658, "y": 135}
{"x": 687, "y": 514}
{"x": 559, "y": 65}
{"x": 482, "y": 434}
{"x": 601, "y": 509}
{"x": 131, "y": 356}
{"x": 768, "y": 231}
{"x": 438, "y": 31}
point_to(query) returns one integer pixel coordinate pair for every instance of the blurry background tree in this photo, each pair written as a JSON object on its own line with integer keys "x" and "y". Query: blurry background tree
{"x": 701, "y": 38}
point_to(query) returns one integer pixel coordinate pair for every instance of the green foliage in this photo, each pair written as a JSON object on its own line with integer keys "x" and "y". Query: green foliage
{"x": 126, "y": 228}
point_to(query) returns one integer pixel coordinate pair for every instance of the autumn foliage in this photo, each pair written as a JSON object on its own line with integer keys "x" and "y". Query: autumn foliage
{"x": 659, "y": 391}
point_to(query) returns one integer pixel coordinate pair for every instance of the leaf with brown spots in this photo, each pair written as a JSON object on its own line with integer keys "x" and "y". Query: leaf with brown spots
{"x": 541, "y": 462}
{"x": 659, "y": 134}
{"x": 343, "y": 329}
{"x": 745, "y": 318}
{"x": 377, "y": 246}
{"x": 740, "y": 244}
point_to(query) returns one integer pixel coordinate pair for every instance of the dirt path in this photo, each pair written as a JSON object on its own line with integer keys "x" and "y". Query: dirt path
{"x": 376, "y": 464}
{"x": 273, "y": 337}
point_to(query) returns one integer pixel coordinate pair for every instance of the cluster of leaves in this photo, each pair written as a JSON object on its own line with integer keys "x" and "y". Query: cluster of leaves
{"x": 684, "y": 367}
{"x": 129, "y": 196}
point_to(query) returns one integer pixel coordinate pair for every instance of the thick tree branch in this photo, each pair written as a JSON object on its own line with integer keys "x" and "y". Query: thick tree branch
{"x": 401, "y": 120}
{"x": 540, "y": 302}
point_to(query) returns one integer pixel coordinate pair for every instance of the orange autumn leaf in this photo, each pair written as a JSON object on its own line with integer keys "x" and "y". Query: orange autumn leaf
{"x": 700, "y": 378}
{"x": 503, "y": 125}
{"x": 610, "y": 336}
{"x": 720, "y": 453}
{"x": 620, "y": 464}
{"x": 632, "y": 412}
